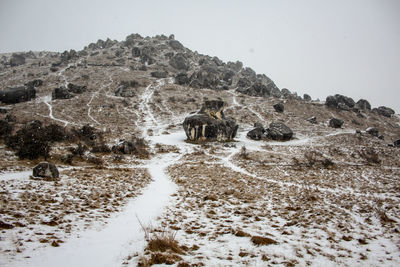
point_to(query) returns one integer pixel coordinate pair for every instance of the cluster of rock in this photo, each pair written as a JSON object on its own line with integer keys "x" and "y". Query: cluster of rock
{"x": 21, "y": 93}
{"x": 342, "y": 102}
{"x": 210, "y": 124}
{"x": 276, "y": 131}
{"x": 69, "y": 92}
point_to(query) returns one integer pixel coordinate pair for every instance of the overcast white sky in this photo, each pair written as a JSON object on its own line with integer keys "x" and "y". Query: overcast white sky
{"x": 317, "y": 47}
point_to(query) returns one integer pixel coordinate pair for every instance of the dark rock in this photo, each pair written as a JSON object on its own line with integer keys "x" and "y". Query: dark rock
{"x": 175, "y": 44}
{"x": 335, "y": 123}
{"x": 279, "y": 107}
{"x": 307, "y": 97}
{"x": 182, "y": 79}
{"x": 381, "y": 137}
{"x": 136, "y": 52}
{"x": 17, "y": 95}
{"x": 159, "y": 74}
{"x": 396, "y": 143}
{"x": 46, "y": 170}
{"x": 34, "y": 83}
{"x": 124, "y": 147}
{"x": 358, "y": 131}
{"x": 76, "y": 89}
{"x": 384, "y": 111}
{"x": 235, "y": 66}
{"x": 340, "y": 102}
{"x": 17, "y": 59}
{"x": 66, "y": 56}
{"x": 286, "y": 93}
{"x": 61, "y": 93}
{"x": 372, "y": 131}
{"x": 3, "y": 111}
{"x": 147, "y": 59}
{"x": 206, "y": 77}
{"x": 279, "y": 131}
{"x": 210, "y": 124}
{"x": 256, "y": 134}
{"x": 312, "y": 120}
{"x": 179, "y": 62}
{"x": 363, "y": 104}
{"x": 5, "y": 128}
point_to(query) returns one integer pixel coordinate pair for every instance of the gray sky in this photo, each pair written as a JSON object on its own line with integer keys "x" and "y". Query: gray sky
{"x": 317, "y": 47}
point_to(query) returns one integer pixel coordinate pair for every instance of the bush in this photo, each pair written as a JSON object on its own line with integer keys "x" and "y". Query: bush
{"x": 79, "y": 150}
{"x": 5, "y": 128}
{"x": 30, "y": 142}
{"x": 370, "y": 156}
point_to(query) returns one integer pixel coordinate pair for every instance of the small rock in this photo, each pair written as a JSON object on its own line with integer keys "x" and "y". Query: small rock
{"x": 335, "y": 123}
{"x": 46, "y": 170}
{"x": 256, "y": 133}
{"x": 372, "y": 131}
{"x": 397, "y": 143}
{"x": 307, "y": 97}
{"x": 61, "y": 93}
{"x": 312, "y": 120}
{"x": 279, "y": 107}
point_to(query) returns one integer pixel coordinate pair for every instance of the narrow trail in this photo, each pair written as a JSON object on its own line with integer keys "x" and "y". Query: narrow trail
{"x": 123, "y": 235}
{"x": 47, "y": 100}
{"x": 102, "y": 87}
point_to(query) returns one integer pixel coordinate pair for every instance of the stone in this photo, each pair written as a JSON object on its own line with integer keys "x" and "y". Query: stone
{"x": 340, "y": 102}
{"x": 46, "y": 170}
{"x": 124, "y": 147}
{"x": 17, "y": 95}
{"x": 312, "y": 120}
{"x": 397, "y": 143}
{"x": 210, "y": 124}
{"x": 256, "y": 134}
{"x": 286, "y": 93}
{"x": 363, "y": 104}
{"x": 34, "y": 83}
{"x": 61, "y": 93}
{"x": 335, "y": 123}
{"x": 372, "y": 131}
{"x": 279, "y": 131}
{"x": 384, "y": 111}
{"x": 3, "y": 111}
{"x": 76, "y": 89}
{"x": 279, "y": 107}
{"x": 307, "y": 97}
{"x": 16, "y": 60}
{"x": 175, "y": 44}
{"x": 182, "y": 79}
{"x": 179, "y": 62}
{"x": 5, "y": 128}
{"x": 159, "y": 74}
{"x": 136, "y": 52}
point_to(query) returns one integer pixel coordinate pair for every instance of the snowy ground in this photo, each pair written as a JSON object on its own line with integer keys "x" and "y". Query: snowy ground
{"x": 271, "y": 203}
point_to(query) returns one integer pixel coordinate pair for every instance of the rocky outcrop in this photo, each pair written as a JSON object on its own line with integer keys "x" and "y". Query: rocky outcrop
{"x": 335, "y": 123}
{"x": 176, "y": 45}
{"x": 307, "y": 97}
{"x": 46, "y": 170}
{"x": 363, "y": 104}
{"x": 372, "y": 131}
{"x": 340, "y": 102}
{"x": 16, "y": 60}
{"x": 384, "y": 111}
{"x": 179, "y": 62}
{"x": 279, "y": 131}
{"x": 210, "y": 124}
{"x": 17, "y": 94}
{"x": 279, "y": 107}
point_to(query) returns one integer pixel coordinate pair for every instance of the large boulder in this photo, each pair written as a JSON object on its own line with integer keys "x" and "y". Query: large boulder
{"x": 175, "y": 44}
{"x": 17, "y": 59}
{"x": 363, "y": 104}
{"x": 179, "y": 62}
{"x": 279, "y": 131}
{"x": 210, "y": 124}
{"x": 307, "y": 97}
{"x": 335, "y": 123}
{"x": 279, "y": 107}
{"x": 384, "y": 111}
{"x": 46, "y": 170}
{"x": 17, "y": 94}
